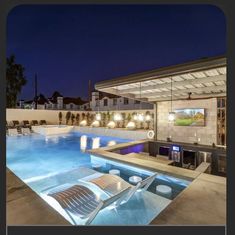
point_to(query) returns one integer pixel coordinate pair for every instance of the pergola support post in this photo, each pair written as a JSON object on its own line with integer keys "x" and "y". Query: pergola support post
{"x": 155, "y": 120}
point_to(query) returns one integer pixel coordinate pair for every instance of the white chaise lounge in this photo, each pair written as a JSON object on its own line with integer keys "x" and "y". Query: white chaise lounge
{"x": 80, "y": 201}
{"x": 113, "y": 184}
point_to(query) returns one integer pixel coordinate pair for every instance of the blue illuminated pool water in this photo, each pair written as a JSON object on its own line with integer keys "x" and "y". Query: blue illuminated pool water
{"x": 45, "y": 162}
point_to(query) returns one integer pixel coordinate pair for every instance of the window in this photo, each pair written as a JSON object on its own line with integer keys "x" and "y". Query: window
{"x": 115, "y": 101}
{"x": 105, "y": 102}
{"x": 137, "y": 102}
{"x": 126, "y": 101}
{"x": 221, "y": 121}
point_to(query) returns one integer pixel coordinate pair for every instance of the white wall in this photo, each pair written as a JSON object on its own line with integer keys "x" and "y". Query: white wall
{"x": 51, "y": 116}
{"x": 207, "y": 133}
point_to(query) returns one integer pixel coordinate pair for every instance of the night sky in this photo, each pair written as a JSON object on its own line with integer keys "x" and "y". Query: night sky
{"x": 68, "y": 45}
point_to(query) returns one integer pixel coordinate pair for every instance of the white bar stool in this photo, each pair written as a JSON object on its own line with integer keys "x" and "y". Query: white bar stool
{"x": 114, "y": 172}
{"x": 164, "y": 190}
{"x": 135, "y": 179}
{"x": 96, "y": 166}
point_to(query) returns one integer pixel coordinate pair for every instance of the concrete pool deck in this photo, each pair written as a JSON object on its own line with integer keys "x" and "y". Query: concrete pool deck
{"x": 203, "y": 202}
{"x": 25, "y": 207}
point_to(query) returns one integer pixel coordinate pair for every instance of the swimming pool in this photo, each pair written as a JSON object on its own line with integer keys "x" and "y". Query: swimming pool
{"x": 44, "y": 162}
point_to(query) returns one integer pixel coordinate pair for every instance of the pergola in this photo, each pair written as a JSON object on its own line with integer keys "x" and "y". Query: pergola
{"x": 204, "y": 78}
{"x": 201, "y": 79}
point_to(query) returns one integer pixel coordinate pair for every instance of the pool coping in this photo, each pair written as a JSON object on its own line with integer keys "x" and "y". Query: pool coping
{"x": 19, "y": 207}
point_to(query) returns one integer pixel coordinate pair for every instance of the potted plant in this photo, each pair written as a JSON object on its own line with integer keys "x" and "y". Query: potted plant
{"x": 68, "y": 115}
{"x": 72, "y": 118}
{"x": 60, "y": 115}
{"x": 129, "y": 117}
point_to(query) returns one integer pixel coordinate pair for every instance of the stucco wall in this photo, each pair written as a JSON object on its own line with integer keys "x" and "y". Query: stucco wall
{"x": 207, "y": 133}
{"x": 51, "y": 116}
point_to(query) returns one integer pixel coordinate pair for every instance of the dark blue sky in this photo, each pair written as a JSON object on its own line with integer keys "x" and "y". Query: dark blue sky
{"x": 68, "y": 45}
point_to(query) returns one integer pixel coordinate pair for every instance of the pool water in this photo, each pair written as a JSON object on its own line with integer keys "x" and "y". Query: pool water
{"x": 44, "y": 162}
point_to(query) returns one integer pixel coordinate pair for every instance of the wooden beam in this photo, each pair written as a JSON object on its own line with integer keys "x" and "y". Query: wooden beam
{"x": 175, "y": 83}
{"x": 187, "y": 90}
{"x": 185, "y": 97}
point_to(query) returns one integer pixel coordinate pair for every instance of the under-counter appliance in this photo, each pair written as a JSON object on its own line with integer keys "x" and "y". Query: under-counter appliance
{"x": 164, "y": 151}
{"x": 204, "y": 157}
{"x": 189, "y": 159}
{"x": 175, "y": 154}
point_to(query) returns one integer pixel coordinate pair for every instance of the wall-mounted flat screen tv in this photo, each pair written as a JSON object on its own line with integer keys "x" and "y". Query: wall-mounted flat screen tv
{"x": 190, "y": 117}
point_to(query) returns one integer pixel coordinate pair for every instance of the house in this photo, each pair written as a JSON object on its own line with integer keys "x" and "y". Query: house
{"x": 55, "y": 102}
{"x": 103, "y": 101}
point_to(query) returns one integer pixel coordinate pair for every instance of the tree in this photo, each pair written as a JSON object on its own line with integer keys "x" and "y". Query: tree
{"x": 68, "y": 115}
{"x": 129, "y": 117}
{"x": 15, "y": 81}
{"x": 60, "y": 117}
{"x": 72, "y": 118}
{"x": 77, "y": 118}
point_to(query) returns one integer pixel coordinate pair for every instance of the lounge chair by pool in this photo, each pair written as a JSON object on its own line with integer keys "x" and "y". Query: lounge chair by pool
{"x": 34, "y": 123}
{"x": 80, "y": 201}
{"x": 16, "y": 123}
{"x": 26, "y": 123}
{"x": 43, "y": 122}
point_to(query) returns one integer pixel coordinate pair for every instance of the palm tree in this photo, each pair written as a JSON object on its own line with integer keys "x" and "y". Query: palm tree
{"x": 15, "y": 81}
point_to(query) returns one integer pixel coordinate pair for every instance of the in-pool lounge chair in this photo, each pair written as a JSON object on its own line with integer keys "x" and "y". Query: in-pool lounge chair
{"x": 112, "y": 184}
{"x": 80, "y": 201}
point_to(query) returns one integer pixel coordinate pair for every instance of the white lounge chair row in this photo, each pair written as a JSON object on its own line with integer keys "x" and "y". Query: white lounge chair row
{"x": 80, "y": 201}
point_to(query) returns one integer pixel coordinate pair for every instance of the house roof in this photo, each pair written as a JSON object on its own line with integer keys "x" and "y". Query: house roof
{"x": 77, "y": 101}
{"x": 105, "y": 94}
